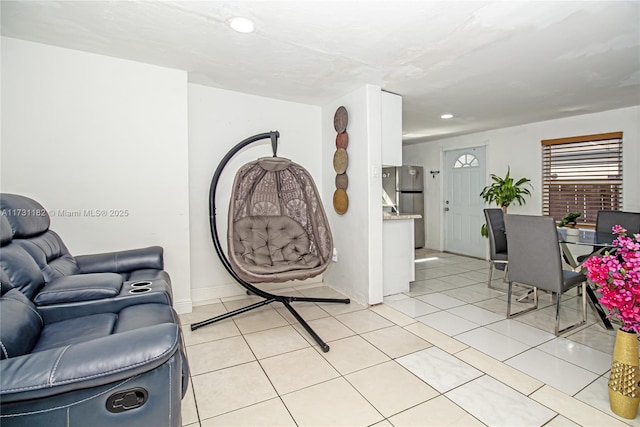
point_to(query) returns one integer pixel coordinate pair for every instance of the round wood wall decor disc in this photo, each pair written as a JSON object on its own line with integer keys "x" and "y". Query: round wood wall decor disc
{"x": 342, "y": 140}
{"x": 342, "y": 181}
{"x": 340, "y": 160}
{"x": 340, "y": 119}
{"x": 340, "y": 201}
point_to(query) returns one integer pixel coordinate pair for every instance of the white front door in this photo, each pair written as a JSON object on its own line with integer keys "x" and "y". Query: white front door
{"x": 464, "y": 172}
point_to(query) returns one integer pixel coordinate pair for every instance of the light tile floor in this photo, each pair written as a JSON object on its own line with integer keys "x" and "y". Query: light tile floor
{"x": 442, "y": 354}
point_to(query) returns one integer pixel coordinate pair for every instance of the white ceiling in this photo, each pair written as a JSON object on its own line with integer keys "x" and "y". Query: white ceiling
{"x": 491, "y": 64}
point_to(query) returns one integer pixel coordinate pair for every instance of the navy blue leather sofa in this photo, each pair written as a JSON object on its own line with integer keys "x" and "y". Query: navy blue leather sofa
{"x": 80, "y": 344}
{"x": 39, "y": 264}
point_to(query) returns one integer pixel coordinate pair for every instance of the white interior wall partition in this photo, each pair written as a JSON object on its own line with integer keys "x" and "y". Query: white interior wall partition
{"x": 357, "y": 233}
{"x": 218, "y": 120}
{"x": 103, "y": 137}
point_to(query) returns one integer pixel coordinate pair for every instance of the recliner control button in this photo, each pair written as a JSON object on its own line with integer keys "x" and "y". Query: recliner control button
{"x": 126, "y": 400}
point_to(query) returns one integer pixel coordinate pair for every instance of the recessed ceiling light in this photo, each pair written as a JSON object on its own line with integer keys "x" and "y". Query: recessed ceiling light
{"x": 446, "y": 116}
{"x": 241, "y": 25}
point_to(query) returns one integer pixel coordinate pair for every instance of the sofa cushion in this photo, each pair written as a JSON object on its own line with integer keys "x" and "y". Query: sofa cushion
{"x": 74, "y": 331}
{"x": 143, "y": 315}
{"x": 30, "y": 222}
{"x": 20, "y": 321}
{"x": 51, "y": 255}
{"x": 27, "y": 217}
{"x": 6, "y": 233}
{"x": 21, "y": 269}
{"x": 81, "y": 329}
{"x": 272, "y": 244}
{"x": 106, "y": 361}
{"x": 80, "y": 287}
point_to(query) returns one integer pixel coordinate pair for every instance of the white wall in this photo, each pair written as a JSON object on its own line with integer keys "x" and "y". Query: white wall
{"x": 83, "y": 131}
{"x": 357, "y": 234}
{"x": 519, "y": 147}
{"x": 218, "y": 120}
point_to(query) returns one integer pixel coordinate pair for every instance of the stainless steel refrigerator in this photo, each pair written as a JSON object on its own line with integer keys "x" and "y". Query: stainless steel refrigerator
{"x": 404, "y": 187}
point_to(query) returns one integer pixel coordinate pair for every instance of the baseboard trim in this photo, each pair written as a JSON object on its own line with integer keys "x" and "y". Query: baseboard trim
{"x": 203, "y": 296}
{"x": 183, "y": 306}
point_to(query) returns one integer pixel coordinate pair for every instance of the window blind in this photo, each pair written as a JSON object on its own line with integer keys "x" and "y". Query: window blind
{"x": 582, "y": 174}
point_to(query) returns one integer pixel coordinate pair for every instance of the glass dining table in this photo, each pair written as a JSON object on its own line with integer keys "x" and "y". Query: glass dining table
{"x": 599, "y": 241}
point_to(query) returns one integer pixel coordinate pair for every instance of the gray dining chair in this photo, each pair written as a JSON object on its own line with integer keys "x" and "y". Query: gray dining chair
{"x": 605, "y": 220}
{"x": 498, "y": 255}
{"x": 534, "y": 259}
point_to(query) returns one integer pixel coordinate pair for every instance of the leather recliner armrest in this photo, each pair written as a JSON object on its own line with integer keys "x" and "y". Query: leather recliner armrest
{"x": 122, "y": 261}
{"x": 80, "y": 287}
{"x": 88, "y": 364}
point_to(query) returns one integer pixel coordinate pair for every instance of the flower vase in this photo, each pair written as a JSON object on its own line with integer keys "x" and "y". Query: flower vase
{"x": 624, "y": 394}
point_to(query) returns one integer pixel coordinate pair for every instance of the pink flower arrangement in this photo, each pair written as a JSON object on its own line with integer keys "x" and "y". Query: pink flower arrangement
{"x": 618, "y": 276}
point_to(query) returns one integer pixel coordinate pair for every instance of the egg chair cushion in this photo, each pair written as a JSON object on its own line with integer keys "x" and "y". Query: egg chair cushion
{"x": 277, "y": 228}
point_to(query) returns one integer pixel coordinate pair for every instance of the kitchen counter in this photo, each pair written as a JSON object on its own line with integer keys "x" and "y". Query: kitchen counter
{"x": 388, "y": 216}
{"x": 398, "y": 253}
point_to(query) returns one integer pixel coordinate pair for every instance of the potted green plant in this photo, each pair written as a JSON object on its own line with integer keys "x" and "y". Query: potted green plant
{"x": 569, "y": 220}
{"x": 505, "y": 191}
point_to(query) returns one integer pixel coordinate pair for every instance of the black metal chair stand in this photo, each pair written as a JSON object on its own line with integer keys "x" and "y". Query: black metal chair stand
{"x": 268, "y": 298}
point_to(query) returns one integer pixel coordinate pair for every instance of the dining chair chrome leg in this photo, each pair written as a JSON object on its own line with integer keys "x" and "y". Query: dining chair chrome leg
{"x": 559, "y": 331}
{"x": 584, "y": 301}
{"x": 557, "y": 327}
{"x": 525, "y": 296}
{"x": 526, "y": 310}
{"x": 492, "y": 266}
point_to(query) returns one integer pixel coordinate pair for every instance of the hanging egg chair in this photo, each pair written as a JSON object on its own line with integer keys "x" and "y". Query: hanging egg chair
{"x": 277, "y": 229}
